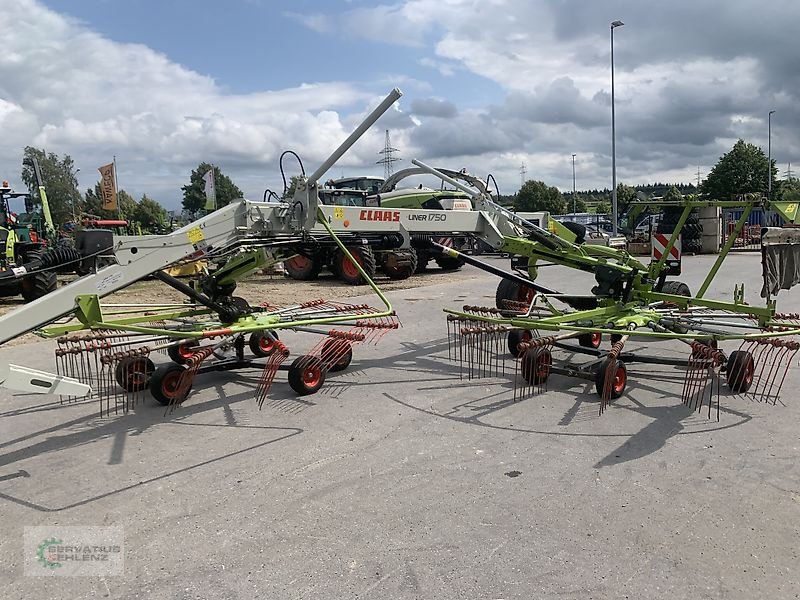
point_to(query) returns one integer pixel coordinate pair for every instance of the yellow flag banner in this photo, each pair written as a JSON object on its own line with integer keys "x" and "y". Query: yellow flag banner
{"x": 108, "y": 187}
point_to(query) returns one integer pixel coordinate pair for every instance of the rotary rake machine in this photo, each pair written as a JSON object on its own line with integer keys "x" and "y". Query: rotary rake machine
{"x": 107, "y": 350}
{"x": 631, "y": 301}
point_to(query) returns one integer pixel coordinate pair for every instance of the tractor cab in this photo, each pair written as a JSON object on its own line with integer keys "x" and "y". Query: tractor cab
{"x": 345, "y": 197}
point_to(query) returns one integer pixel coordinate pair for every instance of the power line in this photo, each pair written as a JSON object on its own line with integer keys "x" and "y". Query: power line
{"x": 388, "y": 158}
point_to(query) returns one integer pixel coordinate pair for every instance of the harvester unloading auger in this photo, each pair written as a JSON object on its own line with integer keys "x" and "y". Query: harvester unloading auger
{"x": 106, "y": 350}
{"x": 630, "y": 300}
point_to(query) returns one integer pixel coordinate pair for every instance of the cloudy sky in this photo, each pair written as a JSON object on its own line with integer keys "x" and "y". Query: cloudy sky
{"x": 488, "y": 84}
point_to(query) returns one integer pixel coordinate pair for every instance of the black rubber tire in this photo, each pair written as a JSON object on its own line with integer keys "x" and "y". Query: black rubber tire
{"x": 306, "y": 375}
{"x": 180, "y": 354}
{"x": 676, "y": 288}
{"x": 535, "y": 365}
{"x": 39, "y": 283}
{"x": 692, "y": 231}
{"x": 133, "y": 373}
{"x": 302, "y": 267}
{"x": 163, "y": 385}
{"x": 347, "y": 272}
{"x": 515, "y": 336}
{"x": 262, "y": 345}
{"x": 578, "y": 229}
{"x": 511, "y": 290}
{"x": 590, "y": 340}
{"x": 600, "y": 379}
{"x": 332, "y": 348}
{"x": 449, "y": 263}
{"x": 423, "y": 258}
{"x": 400, "y": 264}
{"x": 739, "y": 371}
{"x": 692, "y": 247}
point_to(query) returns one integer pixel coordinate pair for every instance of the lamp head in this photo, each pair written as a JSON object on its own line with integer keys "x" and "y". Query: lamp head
{"x": 616, "y": 24}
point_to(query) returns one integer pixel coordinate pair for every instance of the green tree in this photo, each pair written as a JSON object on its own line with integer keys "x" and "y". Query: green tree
{"x": 673, "y": 194}
{"x": 93, "y": 205}
{"x": 194, "y": 195}
{"x": 789, "y": 190}
{"x": 536, "y": 195}
{"x": 150, "y": 215}
{"x": 625, "y": 195}
{"x": 292, "y": 185}
{"x": 61, "y": 185}
{"x": 743, "y": 170}
{"x": 602, "y": 208}
{"x": 579, "y": 205}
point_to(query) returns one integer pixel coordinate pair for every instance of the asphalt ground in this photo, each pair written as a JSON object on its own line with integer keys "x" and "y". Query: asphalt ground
{"x": 399, "y": 479}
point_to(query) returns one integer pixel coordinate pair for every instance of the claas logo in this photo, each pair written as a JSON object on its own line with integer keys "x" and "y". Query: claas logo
{"x": 379, "y": 215}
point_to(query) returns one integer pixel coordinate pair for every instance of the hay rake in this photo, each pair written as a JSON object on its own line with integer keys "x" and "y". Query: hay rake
{"x": 631, "y": 300}
{"x": 107, "y": 351}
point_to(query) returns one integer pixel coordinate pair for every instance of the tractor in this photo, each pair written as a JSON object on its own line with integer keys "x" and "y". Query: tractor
{"x": 24, "y": 238}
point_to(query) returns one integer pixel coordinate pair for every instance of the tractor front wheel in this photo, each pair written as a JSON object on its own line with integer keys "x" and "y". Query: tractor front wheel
{"x": 39, "y": 283}
{"x": 348, "y": 272}
{"x": 302, "y": 267}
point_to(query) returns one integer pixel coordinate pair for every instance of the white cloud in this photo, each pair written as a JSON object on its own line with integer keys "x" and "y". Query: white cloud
{"x": 72, "y": 91}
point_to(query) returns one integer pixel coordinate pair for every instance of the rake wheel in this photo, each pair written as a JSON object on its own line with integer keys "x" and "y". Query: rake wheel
{"x": 133, "y": 373}
{"x": 337, "y": 348}
{"x": 165, "y": 385}
{"x": 261, "y": 345}
{"x": 740, "y": 370}
{"x": 306, "y": 375}
{"x": 620, "y": 376}
{"x": 590, "y": 340}
{"x": 535, "y": 365}
{"x": 515, "y": 336}
{"x": 183, "y": 352}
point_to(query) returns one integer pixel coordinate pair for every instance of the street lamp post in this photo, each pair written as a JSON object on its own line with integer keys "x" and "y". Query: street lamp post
{"x": 769, "y": 154}
{"x": 573, "y": 185}
{"x": 614, "y": 217}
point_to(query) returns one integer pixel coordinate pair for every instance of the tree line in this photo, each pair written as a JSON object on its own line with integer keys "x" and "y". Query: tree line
{"x": 67, "y": 204}
{"x": 743, "y": 170}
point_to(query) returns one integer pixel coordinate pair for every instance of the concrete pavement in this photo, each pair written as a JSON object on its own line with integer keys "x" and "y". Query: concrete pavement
{"x": 400, "y": 480}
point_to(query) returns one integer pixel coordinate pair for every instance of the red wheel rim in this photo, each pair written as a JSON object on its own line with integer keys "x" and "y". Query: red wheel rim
{"x": 185, "y": 351}
{"x": 597, "y": 338}
{"x": 170, "y": 384}
{"x": 620, "y": 378}
{"x": 298, "y": 262}
{"x": 527, "y": 336}
{"x": 311, "y": 376}
{"x": 748, "y": 373}
{"x": 266, "y": 343}
{"x": 526, "y": 294}
{"x": 137, "y": 374}
{"x": 348, "y": 268}
{"x": 543, "y": 369}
